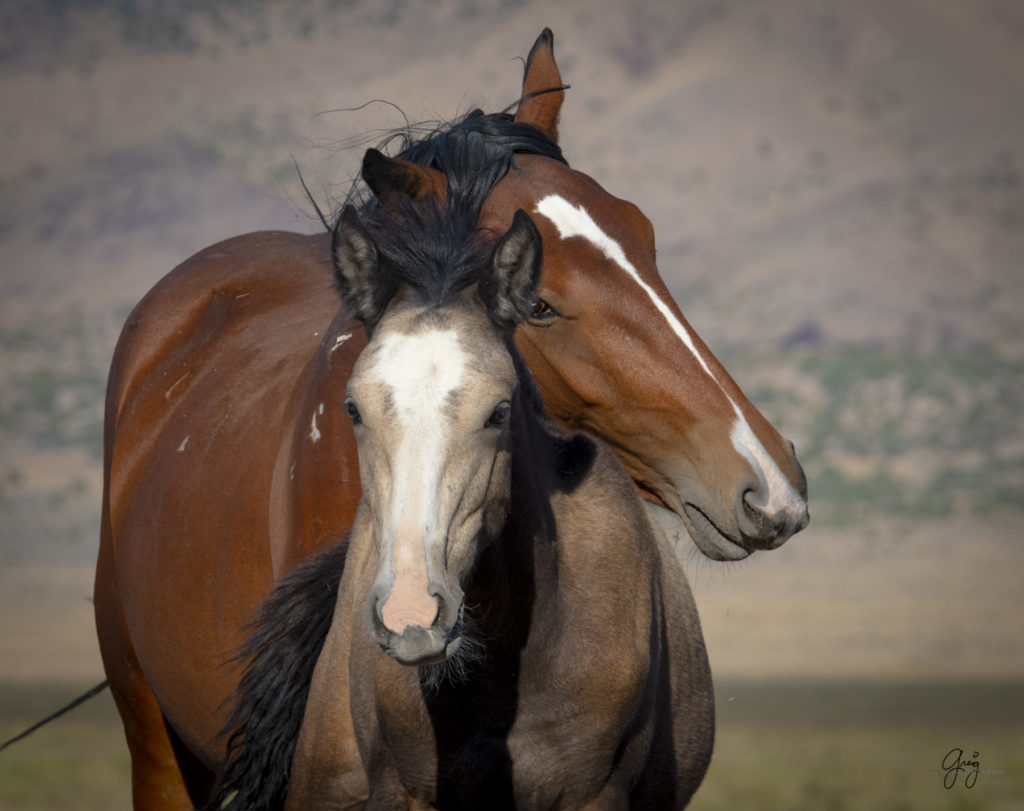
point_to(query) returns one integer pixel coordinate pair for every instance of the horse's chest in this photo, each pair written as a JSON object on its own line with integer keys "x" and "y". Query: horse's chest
{"x": 539, "y": 756}
{"x": 497, "y": 749}
{"x": 564, "y": 755}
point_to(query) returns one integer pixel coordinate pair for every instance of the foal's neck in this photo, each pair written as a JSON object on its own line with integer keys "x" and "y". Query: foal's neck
{"x": 518, "y": 572}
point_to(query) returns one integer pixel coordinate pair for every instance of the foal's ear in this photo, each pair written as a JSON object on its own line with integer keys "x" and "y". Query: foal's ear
{"x": 509, "y": 290}
{"x": 543, "y": 91}
{"x": 392, "y": 179}
{"x": 357, "y": 269}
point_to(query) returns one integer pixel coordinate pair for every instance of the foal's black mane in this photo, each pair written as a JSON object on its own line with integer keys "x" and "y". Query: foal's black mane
{"x": 474, "y": 153}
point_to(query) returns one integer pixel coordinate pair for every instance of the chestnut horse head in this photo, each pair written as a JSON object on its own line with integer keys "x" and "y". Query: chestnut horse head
{"x": 611, "y": 350}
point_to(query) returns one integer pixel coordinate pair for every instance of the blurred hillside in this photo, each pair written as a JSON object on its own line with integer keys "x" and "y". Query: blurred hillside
{"x": 837, "y": 191}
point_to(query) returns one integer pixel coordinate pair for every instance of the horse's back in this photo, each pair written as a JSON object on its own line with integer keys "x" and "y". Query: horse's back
{"x": 197, "y": 412}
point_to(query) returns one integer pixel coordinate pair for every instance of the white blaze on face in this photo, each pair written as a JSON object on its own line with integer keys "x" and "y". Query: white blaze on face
{"x": 419, "y": 372}
{"x": 781, "y": 495}
{"x": 575, "y": 221}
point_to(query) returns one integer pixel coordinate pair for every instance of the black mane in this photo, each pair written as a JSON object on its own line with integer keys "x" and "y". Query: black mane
{"x": 476, "y": 151}
{"x": 280, "y": 655}
{"x": 437, "y": 250}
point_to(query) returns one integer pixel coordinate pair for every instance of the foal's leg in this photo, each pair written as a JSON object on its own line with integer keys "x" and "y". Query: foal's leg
{"x": 327, "y": 770}
{"x": 157, "y": 779}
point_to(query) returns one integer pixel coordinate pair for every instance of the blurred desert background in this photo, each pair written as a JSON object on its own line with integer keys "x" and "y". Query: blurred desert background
{"x": 838, "y": 194}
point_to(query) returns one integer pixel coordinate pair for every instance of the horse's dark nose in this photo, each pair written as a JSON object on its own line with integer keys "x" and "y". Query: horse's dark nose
{"x": 767, "y": 523}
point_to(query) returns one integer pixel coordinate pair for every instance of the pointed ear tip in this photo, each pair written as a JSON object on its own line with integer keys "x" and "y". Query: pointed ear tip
{"x": 373, "y": 155}
{"x": 372, "y": 162}
{"x": 544, "y": 42}
{"x": 523, "y": 219}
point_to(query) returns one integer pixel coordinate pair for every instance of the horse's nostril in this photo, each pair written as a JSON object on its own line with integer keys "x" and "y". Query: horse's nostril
{"x": 755, "y": 513}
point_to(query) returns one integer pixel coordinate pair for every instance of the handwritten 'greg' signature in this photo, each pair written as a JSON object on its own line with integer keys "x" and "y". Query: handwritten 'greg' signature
{"x": 954, "y": 765}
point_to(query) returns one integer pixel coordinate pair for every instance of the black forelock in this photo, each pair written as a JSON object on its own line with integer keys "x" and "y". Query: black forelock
{"x": 434, "y": 249}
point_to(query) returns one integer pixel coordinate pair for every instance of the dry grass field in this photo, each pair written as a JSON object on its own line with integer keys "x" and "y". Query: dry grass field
{"x": 797, "y": 745}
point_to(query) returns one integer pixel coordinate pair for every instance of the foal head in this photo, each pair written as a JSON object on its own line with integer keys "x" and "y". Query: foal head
{"x": 431, "y": 398}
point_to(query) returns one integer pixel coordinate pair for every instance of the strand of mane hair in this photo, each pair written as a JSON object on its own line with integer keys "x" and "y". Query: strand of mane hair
{"x": 280, "y": 653}
{"x": 474, "y": 152}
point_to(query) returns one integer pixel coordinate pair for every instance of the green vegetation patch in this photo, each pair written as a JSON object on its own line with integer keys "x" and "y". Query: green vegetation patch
{"x": 53, "y": 383}
{"x": 889, "y": 432}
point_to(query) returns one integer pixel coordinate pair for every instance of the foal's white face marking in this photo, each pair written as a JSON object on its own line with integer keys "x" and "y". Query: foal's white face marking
{"x": 419, "y": 372}
{"x": 575, "y": 221}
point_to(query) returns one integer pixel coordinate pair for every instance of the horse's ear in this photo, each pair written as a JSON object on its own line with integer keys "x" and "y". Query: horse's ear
{"x": 543, "y": 91}
{"x": 357, "y": 269}
{"x": 392, "y": 179}
{"x": 510, "y": 289}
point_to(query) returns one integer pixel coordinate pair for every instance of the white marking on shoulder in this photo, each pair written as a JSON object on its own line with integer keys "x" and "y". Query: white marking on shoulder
{"x": 184, "y": 442}
{"x": 338, "y": 341}
{"x": 174, "y": 385}
{"x": 314, "y": 432}
{"x": 575, "y": 221}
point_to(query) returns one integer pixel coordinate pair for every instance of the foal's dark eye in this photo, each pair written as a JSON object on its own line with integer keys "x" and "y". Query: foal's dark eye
{"x": 499, "y": 417}
{"x": 353, "y": 412}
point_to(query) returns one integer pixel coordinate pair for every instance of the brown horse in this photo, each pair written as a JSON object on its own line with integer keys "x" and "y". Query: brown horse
{"x": 509, "y": 630}
{"x": 229, "y": 459}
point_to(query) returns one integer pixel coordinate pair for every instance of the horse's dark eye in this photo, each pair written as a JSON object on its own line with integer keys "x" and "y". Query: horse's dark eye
{"x": 353, "y": 412}
{"x": 542, "y": 312}
{"x": 499, "y": 417}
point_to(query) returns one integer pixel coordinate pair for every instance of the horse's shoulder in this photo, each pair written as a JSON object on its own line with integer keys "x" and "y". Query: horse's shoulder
{"x": 611, "y": 484}
{"x": 598, "y": 502}
{"x": 265, "y": 283}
